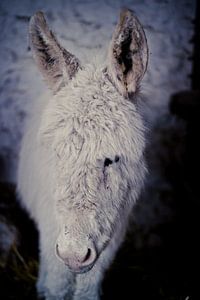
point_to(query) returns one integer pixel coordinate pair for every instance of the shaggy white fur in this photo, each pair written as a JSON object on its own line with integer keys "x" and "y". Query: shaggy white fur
{"x": 81, "y": 162}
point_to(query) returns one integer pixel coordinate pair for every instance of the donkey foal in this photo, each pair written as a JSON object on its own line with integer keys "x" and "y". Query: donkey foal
{"x": 81, "y": 164}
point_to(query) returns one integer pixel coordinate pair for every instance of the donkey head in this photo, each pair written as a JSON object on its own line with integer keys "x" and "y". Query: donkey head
{"x": 94, "y": 136}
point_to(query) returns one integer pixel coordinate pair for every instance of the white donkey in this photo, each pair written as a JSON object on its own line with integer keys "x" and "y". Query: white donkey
{"x": 81, "y": 164}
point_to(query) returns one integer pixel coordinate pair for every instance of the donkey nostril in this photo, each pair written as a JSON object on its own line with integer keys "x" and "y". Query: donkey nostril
{"x": 57, "y": 252}
{"x": 87, "y": 256}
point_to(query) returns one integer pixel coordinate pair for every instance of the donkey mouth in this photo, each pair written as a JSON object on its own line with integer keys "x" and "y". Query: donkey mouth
{"x": 81, "y": 270}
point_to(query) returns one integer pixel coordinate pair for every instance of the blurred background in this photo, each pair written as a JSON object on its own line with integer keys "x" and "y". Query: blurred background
{"x": 159, "y": 258}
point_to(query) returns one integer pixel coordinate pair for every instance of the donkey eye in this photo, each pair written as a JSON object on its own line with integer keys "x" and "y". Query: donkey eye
{"x": 107, "y": 162}
{"x": 116, "y": 158}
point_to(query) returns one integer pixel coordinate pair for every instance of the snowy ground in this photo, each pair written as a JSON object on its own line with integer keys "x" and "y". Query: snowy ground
{"x": 82, "y": 27}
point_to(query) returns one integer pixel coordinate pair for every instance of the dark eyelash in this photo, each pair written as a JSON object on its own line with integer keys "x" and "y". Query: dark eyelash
{"x": 107, "y": 162}
{"x": 116, "y": 158}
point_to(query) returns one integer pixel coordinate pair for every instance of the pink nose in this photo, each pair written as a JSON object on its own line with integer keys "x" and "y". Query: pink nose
{"x": 79, "y": 260}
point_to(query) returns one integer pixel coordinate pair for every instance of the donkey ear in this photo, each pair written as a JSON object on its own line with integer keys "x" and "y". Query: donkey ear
{"x": 128, "y": 54}
{"x": 55, "y": 63}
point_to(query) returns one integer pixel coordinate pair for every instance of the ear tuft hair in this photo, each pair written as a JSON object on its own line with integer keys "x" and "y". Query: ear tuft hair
{"x": 56, "y": 64}
{"x": 128, "y": 53}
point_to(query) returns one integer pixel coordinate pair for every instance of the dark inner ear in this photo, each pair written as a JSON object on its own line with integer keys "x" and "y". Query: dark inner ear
{"x": 125, "y": 55}
{"x": 43, "y": 48}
